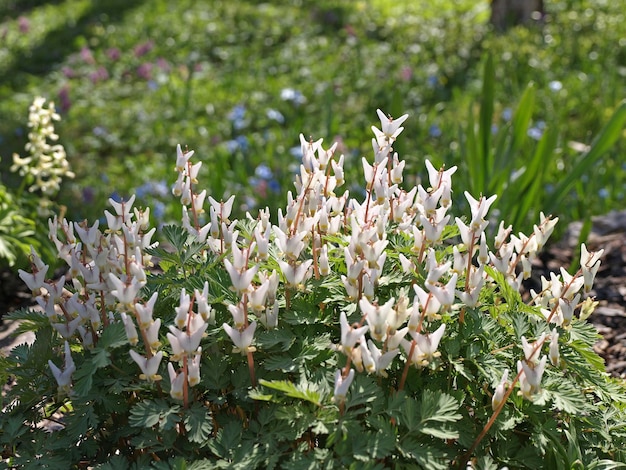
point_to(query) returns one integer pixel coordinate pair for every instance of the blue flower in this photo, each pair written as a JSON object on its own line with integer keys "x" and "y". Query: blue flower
{"x": 535, "y": 133}
{"x": 263, "y": 171}
{"x": 555, "y": 86}
{"x": 289, "y": 94}
{"x": 160, "y": 188}
{"x": 158, "y": 210}
{"x": 99, "y": 131}
{"x": 434, "y": 131}
{"x": 275, "y": 115}
{"x": 237, "y": 115}
{"x": 507, "y": 114}
{"x": 603, "y": 193}
{"x": 274, "y": 186}
{"x": 232, "y": 145}
{"x": 242, "y": 141}
{"x": 296, "y": 152}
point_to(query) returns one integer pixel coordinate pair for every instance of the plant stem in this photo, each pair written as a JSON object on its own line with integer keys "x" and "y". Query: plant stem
{"x": 251, "y": 369}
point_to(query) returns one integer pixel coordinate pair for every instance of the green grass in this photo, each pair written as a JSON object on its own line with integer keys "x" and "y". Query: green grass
{"x": 128, "y": 109}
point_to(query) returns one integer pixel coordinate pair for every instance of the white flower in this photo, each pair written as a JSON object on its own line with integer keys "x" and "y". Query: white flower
{"x": 378, "y": 317}
{"x": 290, "y": 245}
{"x": 242, "y": 280}
{"x": 589, "y": 263}
{"x": 182, "y": 311}
{"x": 479, "y": 210}
{"x": 145, "y": 311}
{"x": 530, "y": 379}
{"x": 439, "y": 178}
{"x": 241, "y": 339}
{"x": 152, "y": 334}
{"x": 126, "y": 293}
{"x": 567, "y": 308}
{"x": 380, "y": 361}
{"x": 34, "y": 281}
{"x": 295, "y": 275}
{"x": 223, "y": 209}
{"x": 498, "y": 395}
{"x": 177, "y": 382}
{"x": 445, "y": 294}
{"x": 182, "y": 158}
{"x": 129, "y": 326}
{"x": 64, "y": 378}
{"x": 350, "y": 336}
{"x": 532, "y": 350}
{"x": 554, "y": 348}
{"x": 428, "y": 343}
{"x": 342, "y": 384}
{"x": 149, "y": 366}
{"x": 193, "y": 369}
{"x": 239, "y": 317}
{"x": 390, "y": 128}
{"x": 188, "y": 341}
{"x": 428, "y": 302}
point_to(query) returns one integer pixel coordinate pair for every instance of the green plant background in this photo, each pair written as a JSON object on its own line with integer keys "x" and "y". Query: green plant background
{"x": 238, "y": 81}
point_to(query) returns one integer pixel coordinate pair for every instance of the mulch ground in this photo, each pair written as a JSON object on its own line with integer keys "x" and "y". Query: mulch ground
{"x": 609, "y": 233}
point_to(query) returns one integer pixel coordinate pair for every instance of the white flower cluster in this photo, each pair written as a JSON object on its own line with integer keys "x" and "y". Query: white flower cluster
{"x": 46, "y": 163}
{"x": 106, "y": 272}
{"x": 318, "y": 226}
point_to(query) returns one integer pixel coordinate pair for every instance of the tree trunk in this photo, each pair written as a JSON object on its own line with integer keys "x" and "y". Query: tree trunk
{"x": 508, "y": 13}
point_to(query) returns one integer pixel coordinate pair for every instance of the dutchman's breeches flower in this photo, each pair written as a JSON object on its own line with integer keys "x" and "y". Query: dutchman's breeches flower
{"x": 342, "y": 384}
{"x": 241, "y": 339}
{"x": 64, "y": 377}
{"x": 498, "y": 395}
{"x": 530, "y": 379}
{"x": 149, "y": 366}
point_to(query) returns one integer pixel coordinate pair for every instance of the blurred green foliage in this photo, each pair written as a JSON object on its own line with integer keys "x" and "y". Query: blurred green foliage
{"x": 238, "y": 81}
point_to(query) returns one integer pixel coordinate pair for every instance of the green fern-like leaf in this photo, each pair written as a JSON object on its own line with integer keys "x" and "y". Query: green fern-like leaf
{"x": 198, "y": 423}
{"x": 293, "y": 391}
{"x": 149, "y": 413}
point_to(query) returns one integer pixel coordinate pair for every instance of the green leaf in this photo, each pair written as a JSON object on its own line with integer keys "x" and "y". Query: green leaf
{"x": 565, "y": 395}
{"x": 440, "y": 407}
{"x": 149, "y": 413}
{"x": 113, "y": 336}
{"x": 486, "y": 116}
{"x": 117, "y": 462}
{"x": 435, "y": 410}
{"x": 176, "y": 236}
{"x": 426, "y": 456}
{"x": 283, "y": 363}
{"x": 607, "y": 137}
{"x": 198, "y": 423}
{"x": 293, "y": 391}
{"x": 29, "y": 320}
{"x": 226, "y": 440}
{"x": 363, "y": 391}
{"x": 381, "y": 443}
{"x": 521, "y": 118}
{"x": 530, "y": 185}
{"x": 277, "y": 337}
{"x": 83, "y": 378}
{"x": 409, "y": 415}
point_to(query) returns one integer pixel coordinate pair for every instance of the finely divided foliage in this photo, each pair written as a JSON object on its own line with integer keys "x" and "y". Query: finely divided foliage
{"x": 371, "y": 332}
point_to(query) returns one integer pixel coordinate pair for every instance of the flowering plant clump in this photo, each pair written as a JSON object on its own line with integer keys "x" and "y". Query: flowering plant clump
{"x": 46, "y": 165}
{"x": 366, "y": 333}
{"x": 42, "y": 173}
